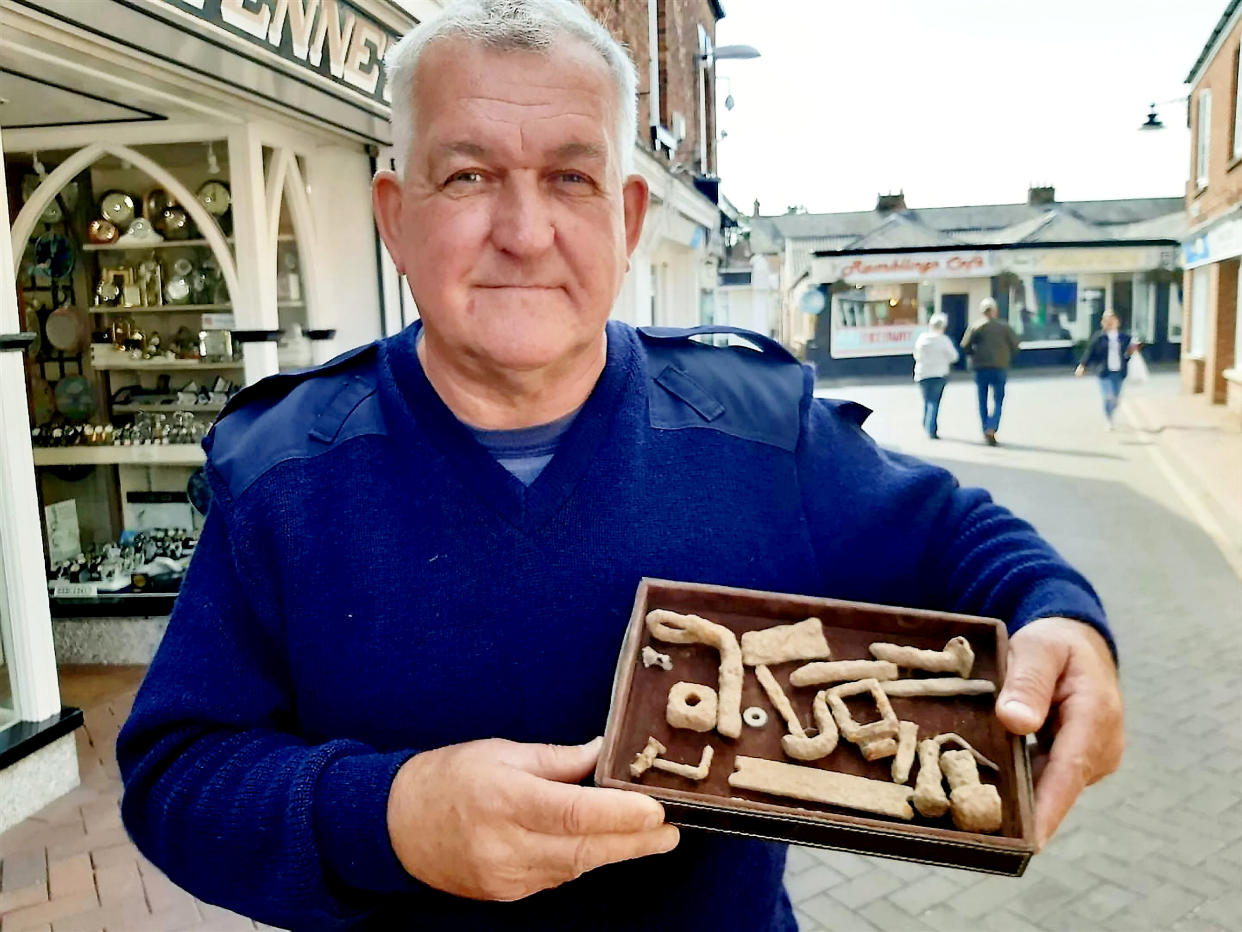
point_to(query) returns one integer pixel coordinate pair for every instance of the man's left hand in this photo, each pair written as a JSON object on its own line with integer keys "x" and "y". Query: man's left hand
{"x": 1063, "y": 665}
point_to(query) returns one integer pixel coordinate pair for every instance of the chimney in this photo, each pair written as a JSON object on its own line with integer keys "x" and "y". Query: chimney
{"x": 1041, "y": 195}
{"x": 886, "y": 203}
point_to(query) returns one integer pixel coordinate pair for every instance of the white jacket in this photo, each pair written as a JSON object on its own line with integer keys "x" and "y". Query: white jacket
{"x": 934, "y": 354}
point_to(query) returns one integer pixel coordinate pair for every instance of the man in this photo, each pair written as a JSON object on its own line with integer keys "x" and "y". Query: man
{"x": 379, "y": 688}
{"x": 991, "y": 343}
{"x": 1109, "y": 351}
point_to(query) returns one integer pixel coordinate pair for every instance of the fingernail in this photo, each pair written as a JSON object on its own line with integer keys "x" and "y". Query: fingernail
{"x": 1016, "y": 707}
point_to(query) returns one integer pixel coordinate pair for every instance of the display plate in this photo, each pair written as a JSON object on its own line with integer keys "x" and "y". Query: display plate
{"x": 638, "y": 711}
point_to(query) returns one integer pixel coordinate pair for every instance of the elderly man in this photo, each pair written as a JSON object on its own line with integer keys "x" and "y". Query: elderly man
{"x": 376, "y": 699}
{"x": 991, "y": 344}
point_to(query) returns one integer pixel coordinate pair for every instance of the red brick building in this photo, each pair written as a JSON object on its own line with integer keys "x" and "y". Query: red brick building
{"x": 1212, "y": 346}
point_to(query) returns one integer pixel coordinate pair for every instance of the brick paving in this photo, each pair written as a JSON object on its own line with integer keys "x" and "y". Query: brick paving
{"x": 72, "y": 868}
{"x": 1157, "y": 846}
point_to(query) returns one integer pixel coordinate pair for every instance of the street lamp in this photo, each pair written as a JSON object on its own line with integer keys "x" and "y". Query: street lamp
{"x": 1153, "y": 121}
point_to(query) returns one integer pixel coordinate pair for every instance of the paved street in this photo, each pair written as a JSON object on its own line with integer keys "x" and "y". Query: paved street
{"x": 1159, "y": 844}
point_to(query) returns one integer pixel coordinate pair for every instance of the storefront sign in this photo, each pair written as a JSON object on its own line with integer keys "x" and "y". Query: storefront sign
{"x": 1221, "y": 242}
{"x": 329, "y": 37}
{"x": 892, "y": 340}
{"x": 902, "y": 267}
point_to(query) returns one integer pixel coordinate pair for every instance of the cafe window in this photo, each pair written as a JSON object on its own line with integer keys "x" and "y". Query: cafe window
{"x": 879, "y": 320}
{"x": 1199, "y": 311}
{"x": 1044, "y": 307}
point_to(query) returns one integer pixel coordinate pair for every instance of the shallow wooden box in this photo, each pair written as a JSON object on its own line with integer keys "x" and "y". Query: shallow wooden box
{"x": 638, "y": 711}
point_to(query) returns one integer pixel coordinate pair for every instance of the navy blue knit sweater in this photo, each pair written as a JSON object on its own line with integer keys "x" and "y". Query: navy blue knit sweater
{"x": 371, "y": 583}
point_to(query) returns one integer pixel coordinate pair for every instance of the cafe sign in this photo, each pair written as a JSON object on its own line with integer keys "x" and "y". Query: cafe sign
{"x": 332, "y": 38}
{"x": 902, "y": 267}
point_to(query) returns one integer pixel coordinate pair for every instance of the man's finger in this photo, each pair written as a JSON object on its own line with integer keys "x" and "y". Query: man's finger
{"x": 565, "y": 763}
{"x": 1035, "y": 665}
{"x": 577, "y": 855}
{"x": 1067, "y": 772}
{"x": 566, "y": 809}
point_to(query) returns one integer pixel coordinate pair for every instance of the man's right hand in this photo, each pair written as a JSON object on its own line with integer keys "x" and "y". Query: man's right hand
{"x": 498, "y": 820}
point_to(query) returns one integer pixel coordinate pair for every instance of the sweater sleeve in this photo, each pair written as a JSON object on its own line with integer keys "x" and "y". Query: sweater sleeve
{"x": 220, "y": 792}
{"x": 892, "y": 529}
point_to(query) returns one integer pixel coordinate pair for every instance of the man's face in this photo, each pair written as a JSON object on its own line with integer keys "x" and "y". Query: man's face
{"x": 1110, "y": 322}
{"x": 513, "y": 225}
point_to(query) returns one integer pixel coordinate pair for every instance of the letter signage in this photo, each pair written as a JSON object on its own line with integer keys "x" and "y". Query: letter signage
{"x": 329, "y": 37}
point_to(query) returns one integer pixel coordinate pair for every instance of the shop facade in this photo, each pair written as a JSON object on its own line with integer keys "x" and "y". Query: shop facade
{"x": 1053, "y": 297}
{"x": 188, "y": 210}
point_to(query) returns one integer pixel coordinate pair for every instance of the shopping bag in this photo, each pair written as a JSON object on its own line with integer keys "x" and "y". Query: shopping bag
{"x": 1138, "y": 372}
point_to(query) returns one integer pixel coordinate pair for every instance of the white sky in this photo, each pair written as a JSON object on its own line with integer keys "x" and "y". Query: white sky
{"x": 955, "y": 101}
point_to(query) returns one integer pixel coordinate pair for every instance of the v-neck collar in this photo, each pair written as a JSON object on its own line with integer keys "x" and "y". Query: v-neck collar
{"x": 412, "y": 405}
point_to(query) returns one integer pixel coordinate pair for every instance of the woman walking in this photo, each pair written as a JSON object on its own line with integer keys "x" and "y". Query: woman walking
{"x": 1110, "y": 350}
{"x": 934, "y": 354}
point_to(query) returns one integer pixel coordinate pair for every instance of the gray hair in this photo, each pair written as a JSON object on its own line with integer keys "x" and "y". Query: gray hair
{"x": 938, "y": 323}
{"x": 987, "y": 304}
{"x": 511, "y": 25}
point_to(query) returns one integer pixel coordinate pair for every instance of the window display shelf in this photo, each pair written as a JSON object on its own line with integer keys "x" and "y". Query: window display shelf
{"x": 164, "y": 308}
{"x": 105, "y": 358}
{"x": 159, "y": 408}
{"x": 164, "y": 244}
{"x": 179, "y": 454}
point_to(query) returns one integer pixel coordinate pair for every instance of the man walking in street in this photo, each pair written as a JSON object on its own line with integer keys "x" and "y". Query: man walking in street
{"x": 991, "y": 343}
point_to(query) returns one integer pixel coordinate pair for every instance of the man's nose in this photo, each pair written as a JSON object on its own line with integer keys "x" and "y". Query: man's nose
{"x": 522, "y": 223}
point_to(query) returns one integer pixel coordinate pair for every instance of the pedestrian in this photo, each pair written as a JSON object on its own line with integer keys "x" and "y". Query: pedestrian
{"x": 1109, "y": 351}
{"x": 991, "y": 343}
{"x": 378, "y": 691}
{"x": 934, "y": 356}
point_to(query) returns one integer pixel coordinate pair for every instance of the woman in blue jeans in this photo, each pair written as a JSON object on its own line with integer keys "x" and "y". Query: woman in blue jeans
{"x": 934, "y": 355}
{"x": 1109, "y": 352}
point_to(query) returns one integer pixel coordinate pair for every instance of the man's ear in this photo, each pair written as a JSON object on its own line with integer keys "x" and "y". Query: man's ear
{"x": 636, "y": 198}
{"x": 386, "y": 197}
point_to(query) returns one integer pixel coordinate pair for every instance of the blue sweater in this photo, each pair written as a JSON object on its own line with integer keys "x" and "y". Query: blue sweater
{"x": 371, "y": 583}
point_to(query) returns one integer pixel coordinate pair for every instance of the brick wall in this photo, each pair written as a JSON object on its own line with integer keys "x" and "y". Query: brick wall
{"x": 1224, "y": 188}
{"x": 678, "y": 42}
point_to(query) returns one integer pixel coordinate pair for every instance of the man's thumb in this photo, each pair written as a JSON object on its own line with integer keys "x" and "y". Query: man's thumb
{"x": 565, "y": 763}
{"x": 1030, "y": 681}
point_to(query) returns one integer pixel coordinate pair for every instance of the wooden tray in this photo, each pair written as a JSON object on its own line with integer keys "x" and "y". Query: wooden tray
{"x": 638, "y": 711}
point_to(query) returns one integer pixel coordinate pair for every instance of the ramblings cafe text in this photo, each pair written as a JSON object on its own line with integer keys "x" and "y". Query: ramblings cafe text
{"x": 917, "y": 268}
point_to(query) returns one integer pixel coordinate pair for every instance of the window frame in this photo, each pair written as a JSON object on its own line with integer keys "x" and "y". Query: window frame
{"x": 1203, "y": 138}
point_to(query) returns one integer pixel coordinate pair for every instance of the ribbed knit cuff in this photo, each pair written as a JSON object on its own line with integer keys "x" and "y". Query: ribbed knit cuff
{"x": 351, "y": 822}
{"x": 1061, "y": 598}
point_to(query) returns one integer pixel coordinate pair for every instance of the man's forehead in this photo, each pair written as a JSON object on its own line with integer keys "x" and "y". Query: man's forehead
{"x": 459, "y": 68}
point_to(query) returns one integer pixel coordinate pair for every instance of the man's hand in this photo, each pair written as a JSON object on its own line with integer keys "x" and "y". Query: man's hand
{"x": 1080, "y": 371}
{"x": 498, "y": 820}
{"x": 1063, "y": 663}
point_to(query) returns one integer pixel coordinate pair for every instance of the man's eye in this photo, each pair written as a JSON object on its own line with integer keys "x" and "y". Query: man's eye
{"x": 464, "y": 177}
{"x": 573, "y": 178}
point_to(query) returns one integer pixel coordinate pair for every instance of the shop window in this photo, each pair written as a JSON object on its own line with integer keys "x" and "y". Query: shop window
{"x": 1175, "y": 313}
{"x": 1044, "y": 307}
{"x": 1199, "y": 311}
{"x": 1143, "y": 312}
{"x": 879, "y": 320}
{"x": 1204, "y": 135}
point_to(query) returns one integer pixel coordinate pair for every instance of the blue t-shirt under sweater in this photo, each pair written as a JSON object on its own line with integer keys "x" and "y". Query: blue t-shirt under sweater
{"x": 370, "y": 583}
{"x": 524, "y": 451}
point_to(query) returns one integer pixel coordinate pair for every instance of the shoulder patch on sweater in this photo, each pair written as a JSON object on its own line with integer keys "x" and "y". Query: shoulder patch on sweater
{"x": 294, "y": 415}
{"x": 750, "y": 394}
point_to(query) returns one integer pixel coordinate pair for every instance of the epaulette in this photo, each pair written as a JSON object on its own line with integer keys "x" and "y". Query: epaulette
{"x": 293, "y": 415}
{"x": 753, "y": 394}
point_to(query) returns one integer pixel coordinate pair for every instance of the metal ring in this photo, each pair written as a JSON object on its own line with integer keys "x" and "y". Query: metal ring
{"x": 755, "y": 717}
